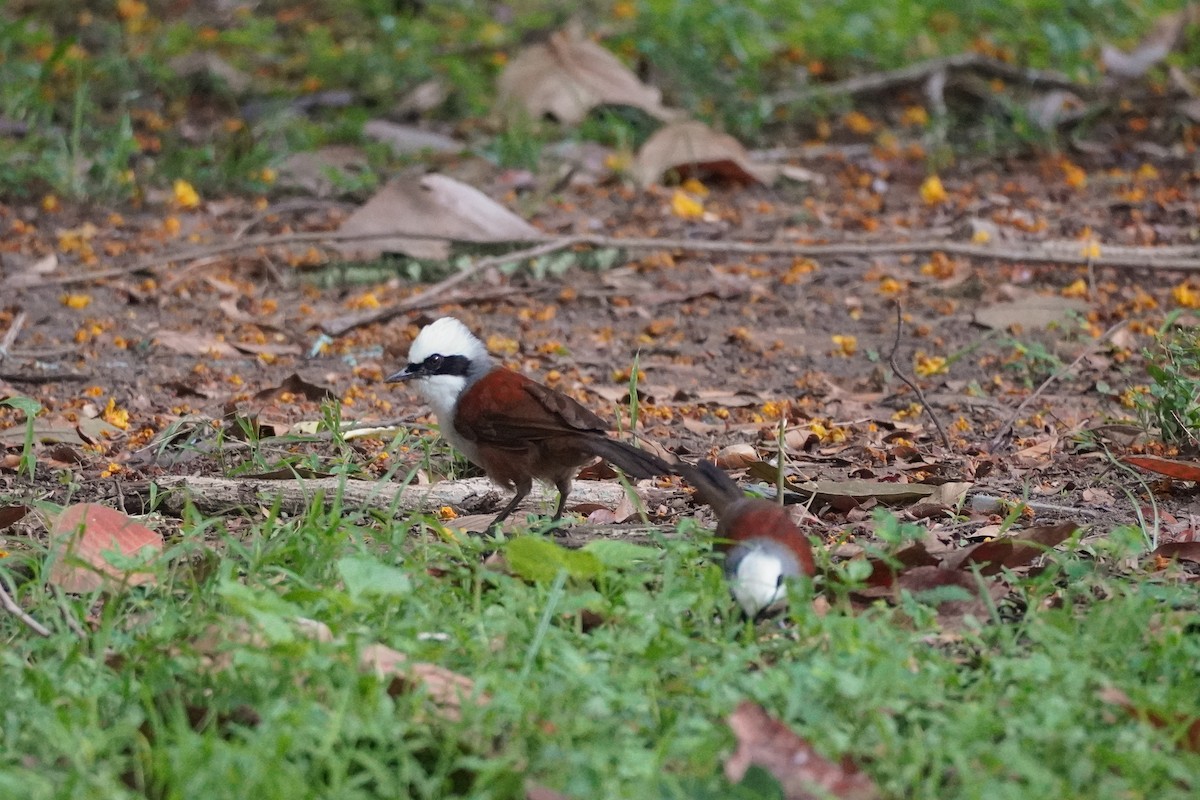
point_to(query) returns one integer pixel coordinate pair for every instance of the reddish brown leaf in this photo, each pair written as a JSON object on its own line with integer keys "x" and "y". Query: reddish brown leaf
{"x": 447, "y": 689}
{"x": 82, "y": 535}
{"x": 883, "y": 573}
{"x": 1172, "y": 468}
{"x": 298, "y": 385}
{"x": 624, "y": 512}
{"x": 1010, "y": 551}
{"x": 11, "y": 514}
{"x": 1188, "y": 728}
{"x": 534, "y": 791}
{"x": 1178, "y": 551}
{"x": 802, "y": 772}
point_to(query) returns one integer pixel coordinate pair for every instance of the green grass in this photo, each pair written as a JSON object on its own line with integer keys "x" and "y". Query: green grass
{"x": 103, "y": 104}
{"x": 632, "y": 708}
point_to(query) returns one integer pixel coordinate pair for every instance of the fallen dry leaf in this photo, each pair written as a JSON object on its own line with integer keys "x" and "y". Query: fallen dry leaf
{"x": 568, "y": 76}
{"x": 692, "y": 149}
{"x": 296, "y": 384}
{"x": 194, "y": 344}
{"x": 535, "y": 791}
{"x": 1179, "y": 551}
{"x": 624, "y": 511}
{"x": 736, "y": 456}
{"x": 1036, "y": 455}
{"x": 884, "y": 570}
{"x": 439, "y": 210}
{"x": 1034, "y": 312}
{"x": 316, "y": 171}
{"x": 1187, "y": 728}
{"x": 1156, "y": 46}
{"x": 802, "y": 772}
{"x": 1171, "y": 467}
{"x": 11, "y": 514}
{"x": 951, "y": 493}
{"x": 409, "y": 139}
{"x": 446, "y": 688}
{"x": 1010, "y": 551}
{"x": 80, "y": 537}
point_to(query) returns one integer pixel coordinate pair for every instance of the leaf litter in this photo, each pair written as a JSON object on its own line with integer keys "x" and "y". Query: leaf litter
{"x": 759, "y": 355}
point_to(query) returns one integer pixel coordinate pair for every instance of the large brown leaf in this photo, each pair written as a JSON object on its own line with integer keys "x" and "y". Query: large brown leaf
{"x": 82, "y": 536}
{"x": 422, "y": 215}
{"x": 446, "y": 688}
{"x": 691, "y": 148}
{"x": 568, "y": 76}
{"x": 1179, "y": 551}
{"x": 802, "y": 772}
{"x": 1171, "y": 467}
{"x": 1010, "y": 551}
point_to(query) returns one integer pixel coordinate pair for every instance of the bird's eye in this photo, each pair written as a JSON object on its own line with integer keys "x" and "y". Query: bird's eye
{"x": 433, "y": 362}
{"x": 779, "y": 581}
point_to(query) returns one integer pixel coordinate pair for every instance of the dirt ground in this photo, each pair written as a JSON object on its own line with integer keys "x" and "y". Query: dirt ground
{"x": 726, "y": 344}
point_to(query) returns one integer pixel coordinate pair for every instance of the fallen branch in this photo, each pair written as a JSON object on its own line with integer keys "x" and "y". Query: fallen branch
{"x": 928, "y": 409}
{"x": 435, "y": 294}
{"x": 1069, "y": 252}
{"x": 11, "y": 607}
{"x": 919, "y": 73}
{"x": 295, "y": 496}
{"x": 10, "y": 336}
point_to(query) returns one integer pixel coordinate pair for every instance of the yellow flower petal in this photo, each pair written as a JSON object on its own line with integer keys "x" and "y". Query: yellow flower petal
{"x": 685, "y": 206}
{"x": 932, "y": 191}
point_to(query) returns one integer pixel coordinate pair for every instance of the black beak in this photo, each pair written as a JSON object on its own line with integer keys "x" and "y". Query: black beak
{"x": 408, "y": 373}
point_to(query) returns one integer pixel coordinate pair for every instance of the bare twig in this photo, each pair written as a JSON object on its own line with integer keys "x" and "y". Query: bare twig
{"x": 1067, "y": 252}
{"x": 1091, "y": 348}
{"x": 67, "y": 615}
{"x": 912, "y": 384}
{"x": 919, "y": 73}
{"x": 10, "y": 335}
{"x": 11, "y": 607}
{"x": 45, "y": 377}
{"x": 466, "y": 496}
{"x": 435, "y": 293}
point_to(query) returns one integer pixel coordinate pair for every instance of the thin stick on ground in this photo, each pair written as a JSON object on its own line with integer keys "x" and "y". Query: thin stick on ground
{"x": 1066, "y": 252}
{"x": 10, "y": 335}
{"x": 68, "y": 615}
{"x": 338, "y": 326}
{"x": 11, "y": 607}
{"x": 1091, "y": 348}
{"x": 912, "y": 384}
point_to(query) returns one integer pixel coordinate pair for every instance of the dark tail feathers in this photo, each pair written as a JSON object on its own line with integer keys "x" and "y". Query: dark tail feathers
{"x": 712, "y": 484}
{"x": 631, "y": 460}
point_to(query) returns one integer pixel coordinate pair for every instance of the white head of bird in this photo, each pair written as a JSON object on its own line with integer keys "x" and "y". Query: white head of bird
{"x": 443, "y": 361}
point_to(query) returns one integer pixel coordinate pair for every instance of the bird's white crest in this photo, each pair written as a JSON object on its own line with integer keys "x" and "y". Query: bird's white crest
{"x": 757, "y": 581}
{"x": 449, "y": 337}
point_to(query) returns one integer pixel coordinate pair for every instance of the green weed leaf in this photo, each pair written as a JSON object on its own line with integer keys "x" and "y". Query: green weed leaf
{"x": 271, "y": 613}
{"x": 620, "y": 555}
{"x": 540, "y": 560}
{"x": 365, "y": 575}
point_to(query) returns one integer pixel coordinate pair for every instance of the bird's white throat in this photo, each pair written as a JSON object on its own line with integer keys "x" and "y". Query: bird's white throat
{"x": 442, "y": 393}
{"x": 757, "y": 582}
{"x": 448, "y": 337}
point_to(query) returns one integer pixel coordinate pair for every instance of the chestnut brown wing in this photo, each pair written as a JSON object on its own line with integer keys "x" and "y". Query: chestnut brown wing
{"x": 506, "y": 409}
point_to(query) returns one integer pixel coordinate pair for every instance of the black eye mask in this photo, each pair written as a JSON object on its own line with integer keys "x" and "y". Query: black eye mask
{"x": 441, "y": 365}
